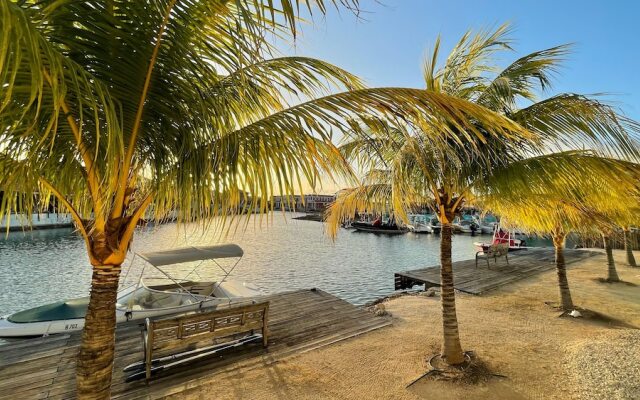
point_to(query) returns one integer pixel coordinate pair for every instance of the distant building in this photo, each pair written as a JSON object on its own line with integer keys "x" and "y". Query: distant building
{"x": 318, "y": 202}
{"x": 306, "y": 203}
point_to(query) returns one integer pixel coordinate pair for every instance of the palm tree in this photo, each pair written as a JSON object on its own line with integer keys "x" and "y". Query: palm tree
{"x": 623, "y": 216}
{"x": 612, "y": 273}
{"x": 622, "y": 211}
{"x": 129, "y": 109}
{"x": 589, "y": 204}
{"x": 452, "y": 163}
{"x": 547, "y": 214}
{"x": 628, "y": 247}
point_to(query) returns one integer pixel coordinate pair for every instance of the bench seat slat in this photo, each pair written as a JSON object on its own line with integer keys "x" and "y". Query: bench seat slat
{"x": 172, "y": 333}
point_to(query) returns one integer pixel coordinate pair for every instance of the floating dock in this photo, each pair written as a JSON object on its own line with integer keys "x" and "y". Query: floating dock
{"x": 299, "y": 321}
{"x": 469, "y": 279}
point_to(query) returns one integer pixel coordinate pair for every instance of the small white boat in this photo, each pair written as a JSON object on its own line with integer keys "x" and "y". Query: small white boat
{"x": 140, "y": 301}
{"x": 435, "y": 223}
{"x": 465, "y": 225}
{"x": 420, "y": 223}
{"x": 488, "y": 224}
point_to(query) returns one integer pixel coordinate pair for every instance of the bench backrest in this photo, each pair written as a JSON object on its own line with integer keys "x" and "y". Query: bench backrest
{"x": 498, "y": 250}
{"x": 169, "y": 333}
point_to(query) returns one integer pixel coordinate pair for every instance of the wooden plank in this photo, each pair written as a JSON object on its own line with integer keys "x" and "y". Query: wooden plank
{"x": 298, "y": 321}
{"x": 469, "y": 279}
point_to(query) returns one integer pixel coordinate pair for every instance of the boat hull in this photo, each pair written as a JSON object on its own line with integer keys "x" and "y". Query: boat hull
{"x": 385, "y": 231}
{"x": 420, "y": 229}
{"x": 9, "y": 329}
{"x": 58, "y": 324}
{"x": 486, "y": 229}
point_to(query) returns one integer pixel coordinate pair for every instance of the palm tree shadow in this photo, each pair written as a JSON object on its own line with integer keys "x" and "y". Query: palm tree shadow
{"x": 604, "y": 280}
{"x": 591, "y": 317}
{"x": 597, "y": 318}
{"x": 274, "y": 379}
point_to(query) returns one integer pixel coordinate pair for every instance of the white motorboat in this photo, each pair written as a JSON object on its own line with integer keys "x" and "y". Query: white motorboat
{"x": 463, "y": 225}
{"x": 140, "y": 301}
{"x": 420, "y": 223}
{"x": 435, "y": 223}
{"x": 488, "y": 224}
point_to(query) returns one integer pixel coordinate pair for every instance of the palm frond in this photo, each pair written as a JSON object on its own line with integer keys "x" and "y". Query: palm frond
{"x": 523, "y": 79}
{"x": 463, "y": 72}
{"x": 572, "y": 190}
{"x": 373, "y": 198}
{"x": 573, "y": 121}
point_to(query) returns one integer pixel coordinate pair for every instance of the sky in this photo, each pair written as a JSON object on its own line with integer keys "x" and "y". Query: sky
{"x": 387, "y": 44}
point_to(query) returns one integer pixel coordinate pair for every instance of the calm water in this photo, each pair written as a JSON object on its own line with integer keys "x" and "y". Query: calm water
{"x": 49, "y": 265}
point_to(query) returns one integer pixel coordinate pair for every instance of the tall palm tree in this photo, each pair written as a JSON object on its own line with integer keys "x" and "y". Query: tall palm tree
{"x": 452, "y": 164}
{"x": 121, "y": 109}
{"x": 590, "y": 204}
{"x": 621, "y": 212}
{"x": 612, "y": 273}
{"x": 628, "y": 247}
{"x": 546, "y": 213}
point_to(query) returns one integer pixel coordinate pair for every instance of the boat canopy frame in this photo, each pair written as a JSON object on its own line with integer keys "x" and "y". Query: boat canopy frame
{"x": 181, "y": 255}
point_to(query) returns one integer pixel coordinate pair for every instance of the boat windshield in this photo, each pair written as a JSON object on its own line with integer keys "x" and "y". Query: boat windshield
{"x": 144, "y": 298}
{"x": 490, "y": 219}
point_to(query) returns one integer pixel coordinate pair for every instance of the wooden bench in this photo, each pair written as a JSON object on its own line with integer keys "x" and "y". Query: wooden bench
{"x": 494, "y": 251}
{"x": 180, "y": 336}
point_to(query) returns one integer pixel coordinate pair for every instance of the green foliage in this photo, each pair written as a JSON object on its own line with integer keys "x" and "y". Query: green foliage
{"x": 111, "y": 104}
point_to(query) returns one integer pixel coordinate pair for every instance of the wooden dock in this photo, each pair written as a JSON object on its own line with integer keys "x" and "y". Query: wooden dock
{"x": 469, "y": 279}
{"x": 299, "y": 321}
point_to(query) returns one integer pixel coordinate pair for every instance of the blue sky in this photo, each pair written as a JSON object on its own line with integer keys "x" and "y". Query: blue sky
{"x": 387, "y": 45}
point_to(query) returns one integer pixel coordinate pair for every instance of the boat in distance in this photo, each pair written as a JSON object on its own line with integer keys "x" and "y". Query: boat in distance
{"x": 424, "y": 223}
{"x": 377, "y": 226}
{"x": 140, "y": 301}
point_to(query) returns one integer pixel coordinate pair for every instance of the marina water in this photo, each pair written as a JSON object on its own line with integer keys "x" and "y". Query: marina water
{"x": 39, "y": 267}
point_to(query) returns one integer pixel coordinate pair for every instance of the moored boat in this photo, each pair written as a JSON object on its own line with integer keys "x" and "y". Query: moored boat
{"x": 420, "y": 223}
{"x": 465, "y": 225}
{"x": 140, "y": 301}
{"x": 488, "y": 224}
{"x": 436, "y": 226}
{"x": 388, "y": 228}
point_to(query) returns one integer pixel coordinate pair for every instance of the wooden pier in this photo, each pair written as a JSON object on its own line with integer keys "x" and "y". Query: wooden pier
{"x": 299, "y": 321}
{"x": 469, "y": 279}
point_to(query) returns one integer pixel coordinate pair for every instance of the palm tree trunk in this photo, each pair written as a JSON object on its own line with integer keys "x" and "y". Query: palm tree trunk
{"x": 451, "y": 347}
{"x": 95, "y": 361}
{"x": 612, "y": 274}
{"x": 631, "y": 260}
{"x": 563, "y": 283}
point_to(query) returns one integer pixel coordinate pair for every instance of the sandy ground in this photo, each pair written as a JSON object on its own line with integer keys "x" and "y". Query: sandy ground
{"x": 512, "y": 330}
